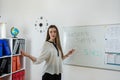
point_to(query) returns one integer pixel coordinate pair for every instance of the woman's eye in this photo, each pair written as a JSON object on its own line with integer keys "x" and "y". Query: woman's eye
{"x": 54, "y": 31}
{"x": 50, "y": 31}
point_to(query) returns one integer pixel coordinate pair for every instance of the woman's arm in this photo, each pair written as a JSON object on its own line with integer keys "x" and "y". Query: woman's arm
{"x": 28, "y": 55}
{"x": 68, "y": 54}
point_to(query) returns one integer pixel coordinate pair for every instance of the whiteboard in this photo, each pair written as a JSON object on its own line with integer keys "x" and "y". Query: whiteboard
{"x": 90, "y": 44}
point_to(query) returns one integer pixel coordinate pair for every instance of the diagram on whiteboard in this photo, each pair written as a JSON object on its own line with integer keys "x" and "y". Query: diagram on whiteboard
{"x": 112, "y": 45}
{"x": 112, "y": 38}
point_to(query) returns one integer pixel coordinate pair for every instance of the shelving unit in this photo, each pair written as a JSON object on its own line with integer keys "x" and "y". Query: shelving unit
{"x": 12, "y": 63}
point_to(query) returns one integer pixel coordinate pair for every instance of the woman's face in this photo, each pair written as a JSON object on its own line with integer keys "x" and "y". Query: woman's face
{"x": 52, "y": 33}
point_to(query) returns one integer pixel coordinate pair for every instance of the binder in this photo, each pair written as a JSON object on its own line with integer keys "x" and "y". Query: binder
{"x": 2, "y": 66}
{"x": 6, "y": 47}
{"x": 1, "y": 48}
{"x": 22, "y": 75}
{"x": 22, "y": 44}
{"x": 18, "y": 75}
{"x": 14, "y": 64}
{"x": 9, "y": 65}
{"x": 0, "y": 61}
{"x": 18, "y": 62}
{"x": 14, "y": 76}
{"x": 16, "y": 47}
{"x": 7, "y": 68}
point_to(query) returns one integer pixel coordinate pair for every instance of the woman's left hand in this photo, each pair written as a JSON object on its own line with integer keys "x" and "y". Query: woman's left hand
{"x": 71, "y": 51}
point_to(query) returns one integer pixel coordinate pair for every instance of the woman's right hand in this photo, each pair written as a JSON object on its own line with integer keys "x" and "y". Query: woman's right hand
{"x": 28, "y": 55}
{"x": 24, "y": 54}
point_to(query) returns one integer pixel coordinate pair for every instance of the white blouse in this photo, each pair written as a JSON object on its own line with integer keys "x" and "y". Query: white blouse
{"x": 53, "y": 62}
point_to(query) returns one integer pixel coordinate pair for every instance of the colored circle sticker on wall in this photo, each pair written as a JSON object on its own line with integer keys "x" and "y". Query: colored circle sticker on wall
{"x": 41, "y": 24}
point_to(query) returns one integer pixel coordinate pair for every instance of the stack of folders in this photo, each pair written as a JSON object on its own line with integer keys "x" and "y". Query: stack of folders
{"x": 19, "y": 75}
{"x": 18, "y": 44}
{"x": 22, "y": 44}
{"x": 5, "y": 65}
{"x": 16, "y": 63}
{"x": 4, "y": 47}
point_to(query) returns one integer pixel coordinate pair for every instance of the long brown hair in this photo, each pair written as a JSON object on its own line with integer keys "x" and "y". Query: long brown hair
{"x": 57, "y": 39}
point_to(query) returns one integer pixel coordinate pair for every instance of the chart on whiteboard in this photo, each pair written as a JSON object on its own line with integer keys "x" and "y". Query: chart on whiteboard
{"x": 112, "y": 39}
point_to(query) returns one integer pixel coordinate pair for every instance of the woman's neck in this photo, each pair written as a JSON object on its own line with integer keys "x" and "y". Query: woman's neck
{"x": 51, "y": 40}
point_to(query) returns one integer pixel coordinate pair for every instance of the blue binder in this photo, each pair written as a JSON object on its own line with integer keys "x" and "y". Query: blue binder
{"x": 1, "y": 48}
{"x": 6, "y": 47}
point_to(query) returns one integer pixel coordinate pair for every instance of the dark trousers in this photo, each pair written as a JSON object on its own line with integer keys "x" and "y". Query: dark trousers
{"x": 48, "y": 76}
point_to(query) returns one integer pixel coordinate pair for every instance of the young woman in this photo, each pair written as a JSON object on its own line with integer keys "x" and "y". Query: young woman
{"x": 52, "y": 54}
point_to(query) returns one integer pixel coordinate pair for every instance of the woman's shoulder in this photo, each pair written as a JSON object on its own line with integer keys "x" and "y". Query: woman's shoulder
{"x": 46, "y": 43}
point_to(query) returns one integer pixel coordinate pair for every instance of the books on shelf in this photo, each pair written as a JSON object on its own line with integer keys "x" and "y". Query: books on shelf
{"x": 11, "y": 62}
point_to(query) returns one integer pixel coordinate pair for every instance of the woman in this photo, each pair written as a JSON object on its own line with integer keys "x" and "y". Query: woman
{"x": 52, "y": 54}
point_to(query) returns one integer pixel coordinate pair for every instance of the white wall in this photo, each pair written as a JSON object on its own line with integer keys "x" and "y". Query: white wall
{"x": 23, "y": 14}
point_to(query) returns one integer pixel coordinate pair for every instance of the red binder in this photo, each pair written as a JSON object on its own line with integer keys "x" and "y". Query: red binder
{"x": 18, "y": 75}
{"x": 1, "y": 79}
{"x": 18, "y": 63}
{"x": 14, "y": 76}
{"x": 22, "y": 75}
{"x": 14, "y": 63}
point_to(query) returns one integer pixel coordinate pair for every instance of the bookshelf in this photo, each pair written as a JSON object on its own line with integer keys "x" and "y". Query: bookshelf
{"x": 12, "y": 63}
